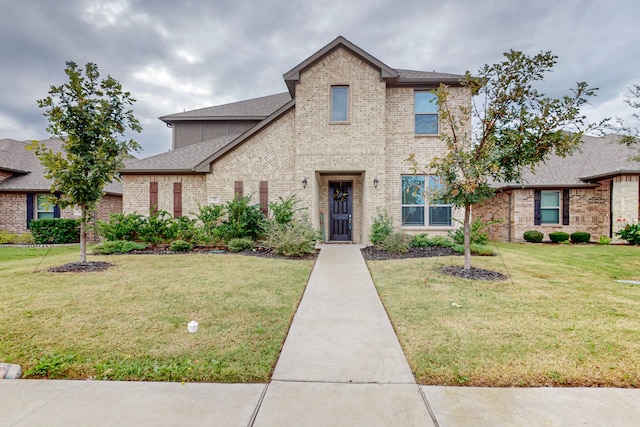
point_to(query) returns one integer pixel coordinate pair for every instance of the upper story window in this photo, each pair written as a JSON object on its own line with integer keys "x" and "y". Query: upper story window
{"x": 426, "y": 113}
{"x": 339, "y": 103}
{"x": 417, "y": 210}
{"x": 550, "y": 207}
{"x": 44, "y": 208}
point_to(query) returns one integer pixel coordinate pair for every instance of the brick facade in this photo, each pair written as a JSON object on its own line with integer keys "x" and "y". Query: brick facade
{"x": 589, "y": 210}
{"x": 303, "y": 143}
{"x": 14, "y": 211}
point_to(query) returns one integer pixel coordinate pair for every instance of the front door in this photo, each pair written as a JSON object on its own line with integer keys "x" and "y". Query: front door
{"x": 340, "y": 204}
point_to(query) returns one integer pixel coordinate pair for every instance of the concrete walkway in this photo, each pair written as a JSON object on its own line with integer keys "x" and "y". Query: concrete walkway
{"x": 341, "y": 365}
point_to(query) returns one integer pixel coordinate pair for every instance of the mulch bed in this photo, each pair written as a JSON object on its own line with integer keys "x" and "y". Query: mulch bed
{"x": 375, "y": 254}
{"x": 371, "y": 253}
{"x": 81, "y": 267}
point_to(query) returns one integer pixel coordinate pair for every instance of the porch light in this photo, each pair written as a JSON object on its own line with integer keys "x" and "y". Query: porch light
{"x": 304, "y": 183}
{"x": 375, "y": 183}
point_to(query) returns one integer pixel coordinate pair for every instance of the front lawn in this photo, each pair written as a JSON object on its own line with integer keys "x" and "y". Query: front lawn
{"x": 130, "y": 321}
{"x": 561, "y": 319}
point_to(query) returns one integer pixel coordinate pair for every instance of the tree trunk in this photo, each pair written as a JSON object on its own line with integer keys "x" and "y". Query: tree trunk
{"x": 83, "y": 234}
{"x": 467, "y": 237}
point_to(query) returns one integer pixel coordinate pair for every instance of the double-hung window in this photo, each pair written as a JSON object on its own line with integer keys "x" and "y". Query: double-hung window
{"x": 418, "y": 208}
{"x": 426, "y": 113}
{"x": 44, "y": 208}
{"x": 339, "y": 103}
{"x": 550, "y": 207}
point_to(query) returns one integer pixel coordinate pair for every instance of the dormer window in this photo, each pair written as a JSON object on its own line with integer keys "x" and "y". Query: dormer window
{"x": 339, "y": 103}
{"x": 426, "y": 113}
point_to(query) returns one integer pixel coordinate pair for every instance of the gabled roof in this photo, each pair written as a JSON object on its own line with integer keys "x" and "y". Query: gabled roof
{"x": 251, "y": 109}
{"x": 391, "y": 75}
{"x": 597, "y": 158}
{"x": 28, "y": 172}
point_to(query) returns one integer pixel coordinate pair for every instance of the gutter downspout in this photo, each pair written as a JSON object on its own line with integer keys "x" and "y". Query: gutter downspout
{"x": 509, "y": 217}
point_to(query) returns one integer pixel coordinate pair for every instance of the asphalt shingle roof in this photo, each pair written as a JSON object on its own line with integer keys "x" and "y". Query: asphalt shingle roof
{"x": 257, "y": 108}
{"x": 27, "y": 169}
{"x": 183, "y": 159}
{"x": 597, "y": 157}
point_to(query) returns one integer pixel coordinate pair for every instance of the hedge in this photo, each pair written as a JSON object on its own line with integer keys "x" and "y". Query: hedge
{"x": 55, "y": 231}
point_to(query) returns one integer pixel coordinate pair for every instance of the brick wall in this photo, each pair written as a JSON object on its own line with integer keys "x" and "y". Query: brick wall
{"x": 589, "y": 211}
{"x": 14, "y": 211}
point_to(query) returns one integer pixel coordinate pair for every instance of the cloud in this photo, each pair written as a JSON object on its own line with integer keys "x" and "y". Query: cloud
{"x": 174, "y": 56}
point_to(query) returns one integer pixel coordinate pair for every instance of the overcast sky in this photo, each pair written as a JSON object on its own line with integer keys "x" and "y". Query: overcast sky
{"x": 182, "y": 55}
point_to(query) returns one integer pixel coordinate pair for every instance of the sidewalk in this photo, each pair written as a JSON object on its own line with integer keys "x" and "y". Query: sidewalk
{"x": 341, "y": 365}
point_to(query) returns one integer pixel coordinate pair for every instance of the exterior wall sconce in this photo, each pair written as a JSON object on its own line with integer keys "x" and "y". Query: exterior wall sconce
{"x": 375, "y": 183}
{"x": 304, "y": 183}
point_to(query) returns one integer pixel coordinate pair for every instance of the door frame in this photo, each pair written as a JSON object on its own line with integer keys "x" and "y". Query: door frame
{"x": 331, "y": 184}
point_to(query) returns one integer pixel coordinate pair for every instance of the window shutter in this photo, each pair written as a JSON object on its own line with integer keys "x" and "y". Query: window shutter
{"x": 177, "y": 199}
{"x": 264, "y": 197}
{"x": 238, "y": 189}
{"x": 56, "y": 208}
{"x": 537, "y": 196}
{"x": 153, "y": 197}
{"x": 29, "y": 209}
{"x": 565, "y": 206}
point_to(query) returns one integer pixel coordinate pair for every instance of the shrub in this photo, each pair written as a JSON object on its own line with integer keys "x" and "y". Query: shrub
{"x": 559, "y": 236}
{"x": 9, "y": 238}
{"x": 282, "y": 212}
{"x": 296, "y": 239}
{"x": 207, "y": 221}
{"x": 117, "y": 246}
{"x": 184, "y": 228}
{"x": 630, "y": 233}
{"x": 381, "y": 228}
{"x": 243, "y": 220}
{"x": 440, "y": 242}
{"x": 396, "y": 242}
{"x": 476, "y": 249}
{"x": 157, "y": 228}
{"x": 478, "y": 234}
{"x": 580, "y": 237}
{"x": 55, "y": 230}
{"x": 121, "y": 226}
{"x": 240, "y": 244}
{"x": 604, "y": 240}
{"x": 533, "y": 236}
{"x": 419, "y": 241}
{"x": 180, "y": 246}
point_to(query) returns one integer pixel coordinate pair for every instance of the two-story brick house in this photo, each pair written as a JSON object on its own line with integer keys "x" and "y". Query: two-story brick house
{"x": 338, "y": 139}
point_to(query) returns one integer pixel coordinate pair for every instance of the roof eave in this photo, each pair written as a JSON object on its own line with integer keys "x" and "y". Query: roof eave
{"x": 159, "y": 172}
{"x": 543, "y": 186}
{"x": 606, "y": 175}
{"x": 171, "y": 120}
{"x": 205, "y": 165}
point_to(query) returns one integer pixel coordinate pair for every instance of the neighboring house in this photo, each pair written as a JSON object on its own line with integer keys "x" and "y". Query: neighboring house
{"x": 338, "y": 139}
{"x": 24, "y": 189}
{"x": 594, "y": 190}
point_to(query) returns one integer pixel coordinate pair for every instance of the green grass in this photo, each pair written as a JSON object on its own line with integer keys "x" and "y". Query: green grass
{"x": 560, "y": 320}
{"x": 130, "y": 322}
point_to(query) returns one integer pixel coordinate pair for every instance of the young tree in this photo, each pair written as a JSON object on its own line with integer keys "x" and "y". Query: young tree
{"x": 91, "y": 116}
{"x": 509, "y": 127}
{"x": 630, "y": 134}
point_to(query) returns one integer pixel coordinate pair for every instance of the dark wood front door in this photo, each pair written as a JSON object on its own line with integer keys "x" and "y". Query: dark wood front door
{"x": 340, "y": 217}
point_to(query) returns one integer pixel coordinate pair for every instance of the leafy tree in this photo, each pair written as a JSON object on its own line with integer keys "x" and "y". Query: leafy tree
{"x": 630, "y": 134}
{"x": 91, "y": 116}
{"x": 510, "y": 127}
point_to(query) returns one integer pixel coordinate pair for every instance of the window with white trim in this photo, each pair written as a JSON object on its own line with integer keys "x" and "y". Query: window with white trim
{"x": 550, "y": 207}
{"x": 426, "y": 113}
{"x": 339, "y": 103}
{"x": 417, "y": 209}
{"x": 44, "y": 208}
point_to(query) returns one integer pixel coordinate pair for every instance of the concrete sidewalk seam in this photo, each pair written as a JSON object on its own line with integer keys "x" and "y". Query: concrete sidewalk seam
{"x": 428, "y": 405}
{"x": 343, "y": 382}
{"x": 258, "y": 405}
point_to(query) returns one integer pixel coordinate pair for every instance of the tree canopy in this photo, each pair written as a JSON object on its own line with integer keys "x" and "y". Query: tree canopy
{"x": 509, "y": 127}
{"x": 91, "y": 116}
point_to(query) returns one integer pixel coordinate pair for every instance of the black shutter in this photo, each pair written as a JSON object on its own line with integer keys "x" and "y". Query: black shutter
{"x": 536, "y": 207}
{"x": 29, "y": 209}
{"x": 565, "y": 206}
{"x": 56, "y": 208}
